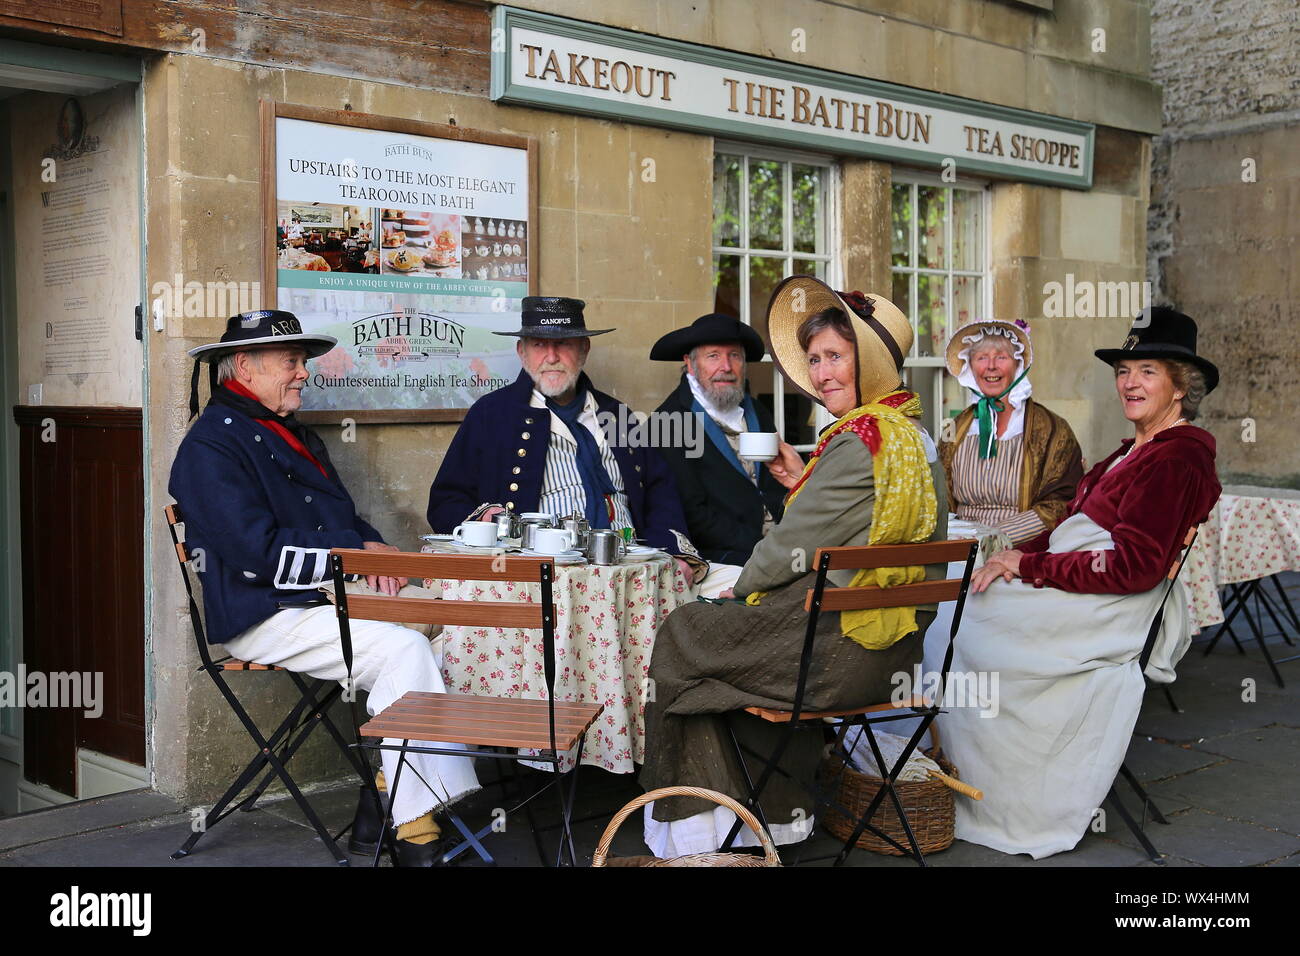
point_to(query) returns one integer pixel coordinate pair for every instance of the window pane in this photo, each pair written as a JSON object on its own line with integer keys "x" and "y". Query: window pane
{"x": 929, "y": 238}
{"x": 902, "y": 295}
{"x": 902, "y": 224}
{"x": 967, "y": 230}
{"x": 955, "y": 398}
{"x": 800, "y": 417}
{"x": 726, "y": 285}
{"x": 931, "y": 312}
{"x": 809, "y": 267}
{"x": 765, "y": 211}
{"x": 806, "y": 206}
{"x": 764, "y": 274}
{"x": 921, "y": 379}
{"x": 726, "y": 200}
{"x": 965, "y": 300}
{"x": 760, "y": 376}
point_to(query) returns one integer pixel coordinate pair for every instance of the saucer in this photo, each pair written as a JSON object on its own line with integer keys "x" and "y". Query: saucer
{"x": 563, "y": 557}
{"x": 435, "y": 537}
{"x": 642, "y": 551}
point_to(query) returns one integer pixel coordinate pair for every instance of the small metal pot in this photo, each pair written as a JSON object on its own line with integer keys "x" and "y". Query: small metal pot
{"x": 508, "y": 525}
{"x": 580, "y": 527}
{"x": 604, "y": 547}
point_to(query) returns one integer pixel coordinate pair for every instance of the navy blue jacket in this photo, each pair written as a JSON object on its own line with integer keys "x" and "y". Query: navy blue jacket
{"x": 499, "y": 453}
{"x": 263, "y": 515}
{"x": 723, "y": 508}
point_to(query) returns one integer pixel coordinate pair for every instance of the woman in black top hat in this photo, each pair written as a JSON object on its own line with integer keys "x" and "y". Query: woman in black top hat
{"x": 1062, "y": 623}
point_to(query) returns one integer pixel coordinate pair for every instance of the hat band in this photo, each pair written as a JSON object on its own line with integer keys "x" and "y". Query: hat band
{"x": 884, "y": 336}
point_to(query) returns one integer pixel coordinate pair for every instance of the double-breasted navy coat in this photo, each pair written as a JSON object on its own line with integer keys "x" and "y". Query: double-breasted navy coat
{"x": 499, "y": 454}
{"x": 260, "y": 519}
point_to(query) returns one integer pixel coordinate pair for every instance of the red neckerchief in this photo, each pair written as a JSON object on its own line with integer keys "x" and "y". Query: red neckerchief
{"x": 289, "y": 438}
{"x": 864, "y": 426}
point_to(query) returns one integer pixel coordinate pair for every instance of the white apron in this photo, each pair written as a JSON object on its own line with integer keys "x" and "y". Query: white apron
{"x": 1068, "y": 695}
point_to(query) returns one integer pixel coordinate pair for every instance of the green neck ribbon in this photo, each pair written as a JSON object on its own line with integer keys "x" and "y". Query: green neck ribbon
{"x": 985, "y": 410}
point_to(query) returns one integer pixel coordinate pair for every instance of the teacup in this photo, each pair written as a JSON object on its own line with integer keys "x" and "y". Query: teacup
{"x": 478, "y": 534}
{"x": 759, "y": 446}
{"x": 553, "y": 540}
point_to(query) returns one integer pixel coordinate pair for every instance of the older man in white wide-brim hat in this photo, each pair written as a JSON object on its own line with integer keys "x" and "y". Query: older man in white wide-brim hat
{"x": 260, "y": 496}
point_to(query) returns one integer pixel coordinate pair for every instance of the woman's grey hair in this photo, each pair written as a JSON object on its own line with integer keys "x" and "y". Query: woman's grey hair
{"x": 1189, "y": 380}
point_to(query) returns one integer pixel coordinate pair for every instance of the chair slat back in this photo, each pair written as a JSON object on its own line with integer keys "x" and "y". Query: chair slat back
{"x": 894, "y": 555}
{"x": 402, "y": 610}
{"x": 889, "y": 556}
{"x": 901, "y": 595}
{"x": 175, "y": 521}
{"x": 467, "y": 567}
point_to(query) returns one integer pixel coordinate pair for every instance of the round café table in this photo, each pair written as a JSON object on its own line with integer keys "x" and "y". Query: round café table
{"x": 606, "y": 620}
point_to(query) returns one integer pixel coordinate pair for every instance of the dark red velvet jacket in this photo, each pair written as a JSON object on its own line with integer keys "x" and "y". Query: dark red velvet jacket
{"x": 1147, "y": 503}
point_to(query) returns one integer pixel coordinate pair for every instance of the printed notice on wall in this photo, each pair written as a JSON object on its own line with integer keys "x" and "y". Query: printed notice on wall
{"x": 76, "y": 192}
{"x": 411, "y": 250}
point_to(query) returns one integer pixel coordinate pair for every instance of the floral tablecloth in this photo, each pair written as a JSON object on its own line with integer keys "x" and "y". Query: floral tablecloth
{"x": 1251, "y": 533}
{"x": 606, "y": 620}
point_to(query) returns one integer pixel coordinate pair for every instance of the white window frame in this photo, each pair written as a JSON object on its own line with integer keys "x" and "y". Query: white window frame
{"x": 830, "y": 256}
{"x": 914, "y": 178}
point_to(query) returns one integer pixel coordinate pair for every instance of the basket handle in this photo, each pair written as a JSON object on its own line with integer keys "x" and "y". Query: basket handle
{"x": 602, "y": 849}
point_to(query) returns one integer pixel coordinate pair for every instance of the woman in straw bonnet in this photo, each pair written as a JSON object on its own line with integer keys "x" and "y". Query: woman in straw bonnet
{"x": 1062, "y": 624}
{"x": 873, "y": 478}
{"x": 1011, "y": 464}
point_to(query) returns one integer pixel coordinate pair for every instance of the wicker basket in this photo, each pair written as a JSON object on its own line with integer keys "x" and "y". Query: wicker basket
{"x": 769, "y": 857}
{"x": 928, "y": 803}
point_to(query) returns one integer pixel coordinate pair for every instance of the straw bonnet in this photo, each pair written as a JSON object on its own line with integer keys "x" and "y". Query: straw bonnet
{"x": 882, "y": 331}
{"x": 973, "y": 331}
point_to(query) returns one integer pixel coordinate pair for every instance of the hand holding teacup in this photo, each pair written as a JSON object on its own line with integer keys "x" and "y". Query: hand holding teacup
{"x": 787, "y": 466}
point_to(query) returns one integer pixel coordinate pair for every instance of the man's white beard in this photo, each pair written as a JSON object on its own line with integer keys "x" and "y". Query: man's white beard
{"x": 724, "y": 395}
{"x": 569, "y": 383}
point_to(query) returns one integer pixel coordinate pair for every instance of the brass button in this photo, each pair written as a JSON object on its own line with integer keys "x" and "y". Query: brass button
{"x": 525, "y": 436}
{"x": 514, "y": 470}
{"x": 510, "y": 506}
{"x": 638, "y": 467}
{"x": 513, "y": 486}
{"x": 528, "y": 421}
{"x": 522, "y": 453}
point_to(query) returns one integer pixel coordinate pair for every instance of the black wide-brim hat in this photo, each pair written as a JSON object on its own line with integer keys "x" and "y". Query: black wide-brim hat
{"x": 265, "y": 327}
{"x": 1162, "y": 333}
{"x": 553, "y": 317}
{"x": 708, "y": 329}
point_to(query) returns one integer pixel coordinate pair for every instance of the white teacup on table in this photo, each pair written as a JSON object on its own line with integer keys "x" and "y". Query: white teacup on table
{"x": 477, "y": 534}
{"x": 759, "y": 446}
{"x": 553, "y": 540}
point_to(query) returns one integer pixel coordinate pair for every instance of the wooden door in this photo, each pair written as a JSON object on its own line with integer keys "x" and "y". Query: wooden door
{"x": 82, "y": 502}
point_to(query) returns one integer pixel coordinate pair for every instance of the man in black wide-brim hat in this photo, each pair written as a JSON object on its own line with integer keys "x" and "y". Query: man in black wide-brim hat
{"x": 544, "y": 443}
{"x": 729, "y": 503}
{"x": 263, "y": 503}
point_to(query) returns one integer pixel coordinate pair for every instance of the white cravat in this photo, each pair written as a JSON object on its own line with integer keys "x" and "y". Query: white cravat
{"x": 732, "y": 418}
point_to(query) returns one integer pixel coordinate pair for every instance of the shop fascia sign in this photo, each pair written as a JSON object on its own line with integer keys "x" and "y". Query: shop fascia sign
{"x": 557, "y": 63}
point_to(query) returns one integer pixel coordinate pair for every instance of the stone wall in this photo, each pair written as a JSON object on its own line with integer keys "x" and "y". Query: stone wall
{"x": 638, "y": 252}
{"x": 1225, "y": 197}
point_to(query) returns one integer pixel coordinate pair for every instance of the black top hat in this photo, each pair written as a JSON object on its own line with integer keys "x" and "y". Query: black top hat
{"x": 264, "y": 327}
{"x": 1163, "y": 333}
{"x": 714, "y": 327}
{"x": 553, "y": 317}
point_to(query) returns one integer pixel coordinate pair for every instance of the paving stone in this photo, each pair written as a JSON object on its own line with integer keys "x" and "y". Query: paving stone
{"x": 83, "y": 816}
{"x": 1205, "y": 838}
{"x": 1276, "y": 746}
{"x": 1240, "y": 791}
{"x": 1157, "y": 760}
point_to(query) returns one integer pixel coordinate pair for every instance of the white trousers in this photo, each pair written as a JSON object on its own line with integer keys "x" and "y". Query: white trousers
{"x": 387, "y": 661}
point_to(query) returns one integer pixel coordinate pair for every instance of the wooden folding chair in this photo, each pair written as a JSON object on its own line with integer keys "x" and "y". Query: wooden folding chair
{"x": 1138, "y": 828}
{"x": 276, "y": 750}
{"x": 822, "y": 598}
{"x": 496, "y": 728}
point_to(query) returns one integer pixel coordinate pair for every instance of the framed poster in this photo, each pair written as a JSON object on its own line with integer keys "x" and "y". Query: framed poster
{"x": 410, "y": 243}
